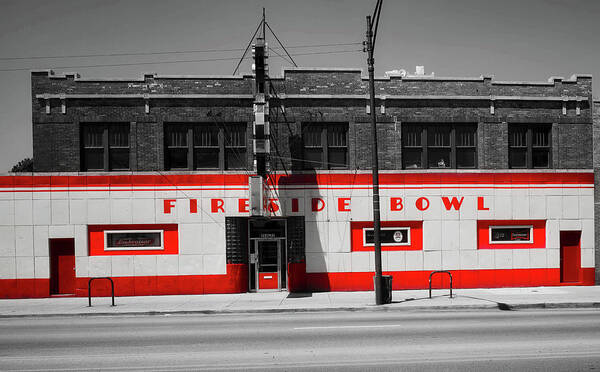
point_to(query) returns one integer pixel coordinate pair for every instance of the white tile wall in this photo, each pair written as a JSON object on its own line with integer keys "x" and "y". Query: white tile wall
{"x": 434, "y": 212}
{"x": 190, "y": 238}
{"x": 213, "y": 239}
{"x": 7, "y": 212}
{"x": 121, "y": 211}
{"x": 586, "y": 206}
{"x": 82, "y": 266}
{"x": 450, "y": 235}
{"x": 317, "y": 236}
{"x": 61, "y": 231}
{"x": 24, "y": 241}
{"x": 537, "y": 258}
{"x": 339, "y": 237}
{"x": 566, "y": 225}
{"x": 214, "y": 264}
{"x": 587, "y": 257}
{"x": 23, "y": 212}
{"x": 42, "y": 267}
{"x": 396, "y": 260}
{"x": 432, "y": 235}
{"x": 167, "y": 264}
{"x": 520, "y": 207}
{"x": 432, "y": 260}
{"x": 537, "y": 206}
{"x": 122, "y": 265}
{"x": 41, "y": 212}
{"x": 144, "y": 265}
{"x": 414, "y": 260}
{"x": 450, "y": 260}
{"x": 60, "y": 211}
{"x": 553, "y": 258}
{"x": 554, "y": 207}
{"x": 7, "y": 241}
{"x": 468, "y": 234}
{"x": 78, "y": 211}
{"x": 468, "y": 260}
{"x": 361, "y": 262}
{"x": 552, "y": 234}
{"x": 316, "y": 262}
{"x": 503, "y": 258}
{"x": 99, "y": 266}
{"x": 339, "y": 262}
{"x": 8, "y": 268}
{"x": 486, "y": 259}
{"x": 143, "y": 210}
{"x": 503, "y": 207}
{"x": 98, "y": 211}
{"x": 81, "y": 240}
{"x": 468, "y": 209}
{"x": 521, "y": 259}
{"x": 587, "y": 233}
{"x": 40, "y": 241}
{"x": 191, "y": 265}
{"x": 570, "y": 207}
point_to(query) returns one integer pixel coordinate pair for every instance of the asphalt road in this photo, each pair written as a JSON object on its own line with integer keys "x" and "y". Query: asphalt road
{"x": 546, "y": 340}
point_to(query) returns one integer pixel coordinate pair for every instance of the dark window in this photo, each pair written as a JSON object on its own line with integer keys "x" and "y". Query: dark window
{"x": 105, "y": 147}
{"x": 439, "y": 146}
{"x": 529, "y": 146}
{"x": 205, "y": 146}
{"x": 325, "y": 146}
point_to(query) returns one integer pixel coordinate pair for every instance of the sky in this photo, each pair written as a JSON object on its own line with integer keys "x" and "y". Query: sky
{"x": 528, "y": 40}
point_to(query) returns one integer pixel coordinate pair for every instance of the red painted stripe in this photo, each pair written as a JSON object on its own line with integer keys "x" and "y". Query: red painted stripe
{"x": 236, "y": 281}
{"x": 323, "y": 179}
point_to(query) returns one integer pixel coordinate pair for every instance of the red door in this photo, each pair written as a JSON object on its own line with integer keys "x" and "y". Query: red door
{"x": 62, "y": 266}
{"x": 570, "y": 256}
{"x": 268, "y": 264}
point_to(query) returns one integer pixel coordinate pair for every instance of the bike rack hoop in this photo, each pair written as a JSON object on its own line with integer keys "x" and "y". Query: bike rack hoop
{"x": 112, "y": 288}
{"x": 440, "y": 272}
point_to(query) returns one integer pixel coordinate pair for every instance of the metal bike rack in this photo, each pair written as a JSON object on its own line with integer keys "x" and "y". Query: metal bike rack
{"x": 440, "y": 272}
{"x": 112, "y": 287}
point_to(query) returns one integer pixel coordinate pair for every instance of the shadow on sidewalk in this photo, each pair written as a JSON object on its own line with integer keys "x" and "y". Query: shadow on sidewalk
{"x": 299, "y": 295}
{"x": 501, "y": 305}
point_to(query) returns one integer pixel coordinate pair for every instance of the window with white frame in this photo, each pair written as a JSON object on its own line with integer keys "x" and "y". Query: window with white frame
{"x": 115, "y": 240}
{"x": 388, "y": 236}
{"x": 510, "y": 234}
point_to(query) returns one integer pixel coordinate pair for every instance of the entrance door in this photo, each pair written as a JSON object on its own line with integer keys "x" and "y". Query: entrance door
{"x": 268, "y": 270}
{"x": 62, "y": 266}
{"x": 570, "y": 256}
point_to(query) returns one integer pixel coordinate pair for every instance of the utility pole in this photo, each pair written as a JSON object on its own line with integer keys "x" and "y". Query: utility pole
{"x": 370, "y": 46}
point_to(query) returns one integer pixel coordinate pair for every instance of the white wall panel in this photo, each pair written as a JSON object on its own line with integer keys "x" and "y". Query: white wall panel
{"x": 339, "y": 262}
{"x": 432, "y": 235}
{"x": 587, "y": 258}
{"x": 537, "y": 258}
{"x": 78, "y": 211}
{"x": 554, "y": 207}
{"x": 98, "y": 211}
{"x": 212, "y": 239}
{"x": 82, "y": 266}
{"x": 144, "y": 265}
{"x": 317, "y": 236}
{"x": 587, "y": 233}
{"x": 434, "y": 212}
{"x": 468, "y": 209}
{"x": 503, "y": 258}
{"x": 122, "y": 265}
{"x": 143, "y": 210}
{"x": 521, "y": 259}
{"x": 468, "y": 260}
{"x": 41, "y": 212}
{"x": 339, "y": 237}
{"x": 552, "y": 234}
{"x": 25, "y": 268}
{"x": 570, "y": 207}
{"x": 450, "y": 235}
{"x": 486, "y": 259}
{"x": 7, "y": 241}
{"x": 8, "y": 268}
{"x": 316, "y": 262}
{"x": 361, "y": 262}
{"x": 40, "y": 241}
{"x": 411, "y": 212}
{"x": 215, "y": 264}
{"x": 503, "y": 207}
{"x": 81, "y": 240}
{"x": 61, "y": 231}
{"x": 396, "y": 260}
{"x": 23, "y": 212}
{"x": 60, "y": 211}
{"x": 42, "y": 267}
{"x": 190, "y": 238}
{"x": 520, "y": 207}
{"x": 167, "y": 264}
{"x": 566, "y": 225}
{"x": 468, "y": 234}
{"x": 99, "y": 266}
{"x": 414, "y": 260}
{"x": 191, "y": 265}
{"x": 24, "y": 241}
{"x": 7, "y": 212}
{"x": 537, "y": 206}
{"x": 121, "y": 211}
{"x": 586, "y": 207}
{"x": 450, "y": 260}
{"x": 553, "y": 258}
{"x": 432, "y": 260}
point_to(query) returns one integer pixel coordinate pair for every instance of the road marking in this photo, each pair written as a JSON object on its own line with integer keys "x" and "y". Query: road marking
{"x": 352, "y": 326}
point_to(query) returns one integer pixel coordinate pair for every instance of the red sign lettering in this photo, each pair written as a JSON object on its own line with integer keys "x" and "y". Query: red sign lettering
{"x": 243, "y": 205}
{"x": 455, "y": 203}
{"x": 317, "y": 204}
{"x": 344, "y": 204}
{"x": 422, "y": 203}
{"x": 396, "y": 204}
{"x": 216, "y": 205}
{"x": 480, "y": 204}
{"x": 168, "y": 204}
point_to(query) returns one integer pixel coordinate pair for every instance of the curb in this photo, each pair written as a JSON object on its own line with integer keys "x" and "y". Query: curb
{"x": 386, "y": 308}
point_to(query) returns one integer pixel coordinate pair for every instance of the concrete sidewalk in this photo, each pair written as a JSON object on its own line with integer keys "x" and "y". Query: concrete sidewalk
{"x": 498, "y": 298}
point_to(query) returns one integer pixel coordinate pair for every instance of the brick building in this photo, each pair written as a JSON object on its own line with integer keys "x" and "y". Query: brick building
{"x": 147, "y": 181}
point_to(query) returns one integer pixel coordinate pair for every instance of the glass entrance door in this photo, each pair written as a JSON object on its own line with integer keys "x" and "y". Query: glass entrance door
{"x": 267, "y": 265}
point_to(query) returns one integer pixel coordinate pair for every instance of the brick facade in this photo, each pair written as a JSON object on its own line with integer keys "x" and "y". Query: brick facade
{"x": 310, "y": 95}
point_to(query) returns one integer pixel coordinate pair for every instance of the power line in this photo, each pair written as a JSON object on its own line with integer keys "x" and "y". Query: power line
{"x": 123, "y": 54}
{"x": 164, "y": 62}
